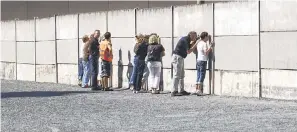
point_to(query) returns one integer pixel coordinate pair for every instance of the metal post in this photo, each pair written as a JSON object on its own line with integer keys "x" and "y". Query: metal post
{"x": 172, "y": 36}
{"x": 56, "y": 52}
{"x": 16, "y": 49}
{"x": 259, "y": 50}
{"x": 35, "y": 47}
{"x": 135, "y": 20}
{"x": 213, "y": 51}
{"x": 78, "y": 51}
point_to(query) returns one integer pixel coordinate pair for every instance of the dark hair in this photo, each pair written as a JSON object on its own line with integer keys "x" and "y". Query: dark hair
{"x": 97, "y": 31}
{"x": 192, "y": 33}
{"x": 203, "y": 35}
{"x": 107, "y": 35}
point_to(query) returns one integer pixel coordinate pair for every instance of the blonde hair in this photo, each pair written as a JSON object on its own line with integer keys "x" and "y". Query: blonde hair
{"x": 153, "y": 39}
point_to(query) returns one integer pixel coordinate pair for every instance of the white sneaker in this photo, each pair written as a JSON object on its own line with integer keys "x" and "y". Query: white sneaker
{"x": 134, "y": 91}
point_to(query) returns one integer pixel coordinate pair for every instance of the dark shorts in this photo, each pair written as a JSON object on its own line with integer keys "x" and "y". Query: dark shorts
{"x": 105, "y": 68}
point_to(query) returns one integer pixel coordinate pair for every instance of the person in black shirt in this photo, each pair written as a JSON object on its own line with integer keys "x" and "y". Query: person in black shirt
{"x": 154, "y": 54}
{"x": 93, "y": 58}
{"x": 140, "y": 50}
{"x": 179, "y": 54}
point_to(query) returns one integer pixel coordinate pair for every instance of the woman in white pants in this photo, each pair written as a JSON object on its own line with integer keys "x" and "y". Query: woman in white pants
{"x": 154, "y": 54}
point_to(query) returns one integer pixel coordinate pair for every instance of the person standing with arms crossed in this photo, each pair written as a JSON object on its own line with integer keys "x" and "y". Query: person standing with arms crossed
{"x": 93, "y": 59}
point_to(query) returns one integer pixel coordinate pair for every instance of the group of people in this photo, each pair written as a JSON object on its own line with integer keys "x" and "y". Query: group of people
{"x": 147, "y": 61}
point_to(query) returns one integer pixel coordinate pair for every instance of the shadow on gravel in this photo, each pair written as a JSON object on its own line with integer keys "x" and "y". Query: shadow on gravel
{"x": 41, "y": 93}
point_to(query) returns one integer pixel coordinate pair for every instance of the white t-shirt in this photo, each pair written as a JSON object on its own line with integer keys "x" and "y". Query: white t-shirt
{"x": 202, "y": 48}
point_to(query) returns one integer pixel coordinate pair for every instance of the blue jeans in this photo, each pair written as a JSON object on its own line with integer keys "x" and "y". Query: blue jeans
{"x": 132, "y": 78}
{"x": 86, "y": 75}
{"x": 80, "y": 69}
{"x": 201, "y": 71}
{"x": 138, "y": 73}
{"x": 93, "y": 60}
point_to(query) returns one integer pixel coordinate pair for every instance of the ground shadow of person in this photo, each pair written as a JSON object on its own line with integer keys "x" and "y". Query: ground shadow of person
{"x": 120, "y": 70}
{"x": 130, "y": 67}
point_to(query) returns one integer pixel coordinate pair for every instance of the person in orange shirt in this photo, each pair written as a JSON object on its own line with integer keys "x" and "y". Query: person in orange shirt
{"x": 106, "y": 59}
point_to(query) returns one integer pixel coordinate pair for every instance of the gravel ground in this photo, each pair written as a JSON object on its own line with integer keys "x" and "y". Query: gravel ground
{"x": 46, "y": 107}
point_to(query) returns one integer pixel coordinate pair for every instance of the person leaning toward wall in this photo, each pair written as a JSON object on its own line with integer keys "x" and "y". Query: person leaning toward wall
{"x": 146, "y": 71}
{"x": 154, "y": 54}
{"x": 179, "y": 54}
{"x": 106, "y": 59}
{"x": 203, "y": 51}
{"x": 140, "y": 50}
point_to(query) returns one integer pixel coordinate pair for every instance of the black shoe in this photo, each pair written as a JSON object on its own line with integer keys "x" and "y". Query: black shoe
{"x": 107, "y": 89}
{"x": 185, "y": 93}
{"x": 175, "y": 93}
{"x": 96, "y": 88}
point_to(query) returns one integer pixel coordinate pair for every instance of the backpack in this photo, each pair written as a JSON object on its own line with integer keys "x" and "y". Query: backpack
{"x": 153, "y": 54}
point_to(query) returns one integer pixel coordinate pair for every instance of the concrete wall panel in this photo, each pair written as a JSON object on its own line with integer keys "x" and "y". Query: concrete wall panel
{"x": 25, "y": 52}
{"x": 87, "y": 6}
{"x": 45, "y": 52}
{"x": 279, "y": 84}
{"x": 244, "y": 84}
{"x": 8, "y": 51}
{"x": 8, "y": 30}
{"x": 45, "y": 29}
{"x": 278, "y": 15}
{"x": 167, "y": 81}
{"x": 152, "y": 21}
{"x": 236, "y": 18}
{"x": 89, "y": 22}
{"x": 26, "y": 72}
{"x": 43, "y": 9}
{"x": 46, "y": 73}
{"x": 67, "y": 27}
{"x": 67, "y": 51}
{"x": 25, "y": 30}
{"x": 167, "y": 44}
{"x": 237, "y": 53}
{"x": 67, "y": 74}
{"x": 7, "y": 71}
{"x": 126, "y": 45}
{"x": 278, "y": 50}
{"x": 197, "y": 18}
{"x": 116, "y": 19}
{"x": 120, "y": 5}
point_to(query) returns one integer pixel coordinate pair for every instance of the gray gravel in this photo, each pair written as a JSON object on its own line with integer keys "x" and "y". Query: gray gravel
{"x": 46, "y": 107}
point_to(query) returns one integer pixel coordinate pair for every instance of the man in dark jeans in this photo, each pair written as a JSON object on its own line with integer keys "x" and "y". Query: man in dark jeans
{"x": 93, "y": 58}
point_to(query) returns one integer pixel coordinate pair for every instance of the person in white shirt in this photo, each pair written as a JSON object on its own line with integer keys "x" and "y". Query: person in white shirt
{"x": 203, "y": 49}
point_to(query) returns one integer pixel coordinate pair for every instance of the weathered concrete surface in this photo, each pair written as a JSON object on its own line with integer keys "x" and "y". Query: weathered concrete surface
{"x": 67, "y": 27}
{"x": 7, "y": 71}
{"x": 232, "y": 83}
{"x": 88, "y": 22}
{"x": 190, "y": 81}
{"x": 237, "y": 53}
{"x": 279, "y": 84}
{"x": 123, "y": 49}
{"x": 46, "y": 73}
{"x": 25, "y": 52}
{"x": 67, "y": 51}
{"x": 167, "y": 44}
{"x": 7, "y": 51}
{"x": 45, "y": 52}
{"x": 46, "y": 107}
{"x": 25, "y": 30}
{"x": 197, "y": 18}
{"x": 45, "y": 29}
{"x": 278, "y": 15}
{"x": 236, "y": 18}
{"x": 278, "y": 50}
{"x": 68, "y": 74}
{"x": 126, "y": 17}
{"x": 167, "y": 80}
{"x": 148, "y": 21}
{"x": 7, "y": 30}
{"x": 26, "y": 72}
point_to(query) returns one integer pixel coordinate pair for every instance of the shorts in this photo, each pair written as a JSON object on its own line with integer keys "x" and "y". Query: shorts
{"x": 105, "y": 68}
